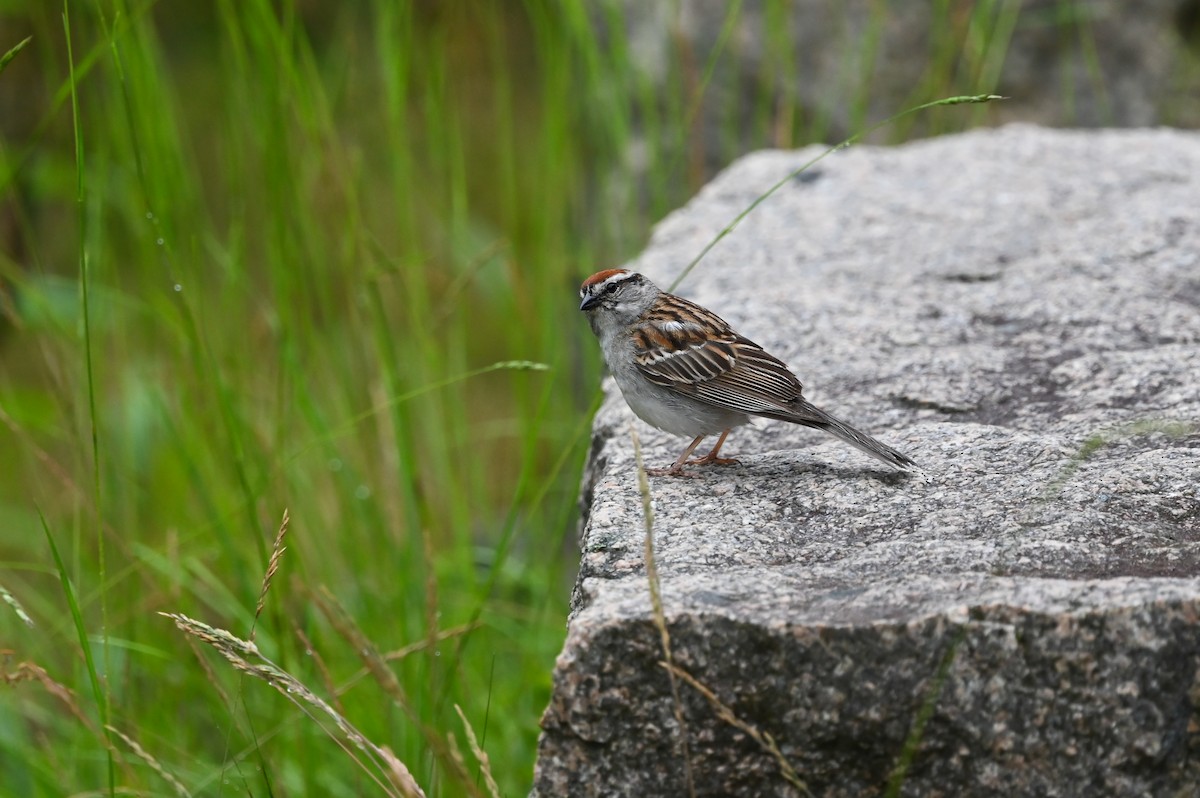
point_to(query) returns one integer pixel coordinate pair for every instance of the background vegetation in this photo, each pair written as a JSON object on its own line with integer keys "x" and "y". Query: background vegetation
{"x": 322, "y": 257}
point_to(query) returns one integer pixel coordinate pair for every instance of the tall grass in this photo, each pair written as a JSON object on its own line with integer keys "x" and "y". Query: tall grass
{"x": 312, "y": 257}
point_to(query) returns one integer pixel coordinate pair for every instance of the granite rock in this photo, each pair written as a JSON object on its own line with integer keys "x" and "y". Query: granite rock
{"x": 1018, "y": 310}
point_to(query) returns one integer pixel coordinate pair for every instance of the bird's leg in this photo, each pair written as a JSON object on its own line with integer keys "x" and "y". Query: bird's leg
{"x": 711, "y": 457}
{"x": 676, "y": 469}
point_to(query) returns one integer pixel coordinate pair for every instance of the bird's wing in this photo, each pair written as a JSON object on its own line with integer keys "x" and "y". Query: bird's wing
{"x": 696, "y": 353}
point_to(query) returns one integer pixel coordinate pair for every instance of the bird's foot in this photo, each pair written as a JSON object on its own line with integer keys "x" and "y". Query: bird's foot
{"x": 709, "y": 459}
{"x": 673, "y": 471}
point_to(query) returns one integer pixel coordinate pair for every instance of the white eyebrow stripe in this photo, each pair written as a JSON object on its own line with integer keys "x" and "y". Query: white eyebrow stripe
{"x": 616, "y": 278}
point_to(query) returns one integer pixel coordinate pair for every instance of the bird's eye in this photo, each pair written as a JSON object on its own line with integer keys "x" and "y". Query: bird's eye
{"x": 608, "y": 289}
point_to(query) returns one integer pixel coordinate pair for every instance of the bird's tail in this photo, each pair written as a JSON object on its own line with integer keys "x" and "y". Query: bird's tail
{"x": 812, "y": 416}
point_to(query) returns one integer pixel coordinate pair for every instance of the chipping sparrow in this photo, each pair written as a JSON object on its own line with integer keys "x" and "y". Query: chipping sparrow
{"x": 682, "y": 369}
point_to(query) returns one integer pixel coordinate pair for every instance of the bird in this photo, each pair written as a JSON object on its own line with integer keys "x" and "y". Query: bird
{"x": 684, "y": 370}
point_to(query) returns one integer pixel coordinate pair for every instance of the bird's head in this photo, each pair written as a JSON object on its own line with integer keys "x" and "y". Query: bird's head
{"x": 618, "y": 295}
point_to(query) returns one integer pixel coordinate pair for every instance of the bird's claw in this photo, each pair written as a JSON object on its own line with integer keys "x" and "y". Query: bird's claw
{"x": 708, "y": 459}
{"x": 673, "y": 471}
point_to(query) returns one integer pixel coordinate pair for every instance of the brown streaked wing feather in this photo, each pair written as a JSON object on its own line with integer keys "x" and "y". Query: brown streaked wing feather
{"x": 711, "y": 362}
{"x": 670, "y": 350}
{"x": 759, "y": 383}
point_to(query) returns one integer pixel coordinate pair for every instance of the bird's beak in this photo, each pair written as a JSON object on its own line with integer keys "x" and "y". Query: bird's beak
{"x": 589, "y": 301}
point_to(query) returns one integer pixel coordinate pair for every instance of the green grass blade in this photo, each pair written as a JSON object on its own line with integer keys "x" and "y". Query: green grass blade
{"x": 98, "y": 694}
{"x": 102, "y": 697}
{"x": 11, "y": 54}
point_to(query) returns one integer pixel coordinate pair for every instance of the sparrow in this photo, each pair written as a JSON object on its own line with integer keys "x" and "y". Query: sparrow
{"x": 683, "y": 369}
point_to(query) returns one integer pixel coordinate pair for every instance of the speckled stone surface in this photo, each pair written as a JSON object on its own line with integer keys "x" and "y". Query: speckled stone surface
{"x": 1019, "y": 311}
